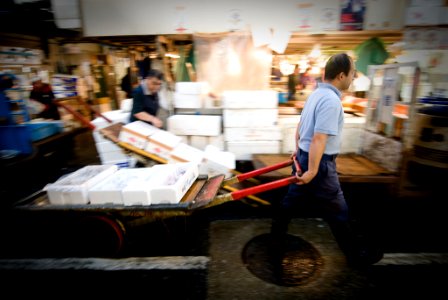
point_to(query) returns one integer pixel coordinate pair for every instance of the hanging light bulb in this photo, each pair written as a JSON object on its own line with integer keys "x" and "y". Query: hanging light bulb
{"x": 286, "y": 68}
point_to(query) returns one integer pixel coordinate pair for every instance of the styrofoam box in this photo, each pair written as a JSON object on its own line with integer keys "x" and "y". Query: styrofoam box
{"x": 195, "y": 88}
{"x": 187, "y": 100}
{"x": 288, "y": 140}
{"x": 217, "y": 141}
{"x": 126, "y": 105}
{"x": 162, "y": 143}
{"x": 198, "y": 141}
{"x": 116, "y": 116}
{"x": 186, "y": 153}
{"x": 128, "y": 162}
{"x": 168, "y": 184}
{"x": 244, "y": 150}
{"x": 136, "y": 191}
{"x": 265, "y": 117}
{"x": 73, "y": 188}
{"x": 272, "y": 133}
{"x": 212, "y": 168}
{"x": 137, "y": 133}
{"x": 351, "y": 140}
{"x": 195, "y": 125}
{"x": 110, "y": 189}
{"x": 172, "y": 182}
{"x": 250, "y": 99}
{"x": 107, "y": 146}
{"x": 112, "y": 156}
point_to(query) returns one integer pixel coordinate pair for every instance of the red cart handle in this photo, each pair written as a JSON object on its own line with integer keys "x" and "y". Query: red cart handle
{"x": 244, "y": 176}
{"x": 267, "y": 186}
{"x": 260, "y": 188}
{"x": 263, "y": 187}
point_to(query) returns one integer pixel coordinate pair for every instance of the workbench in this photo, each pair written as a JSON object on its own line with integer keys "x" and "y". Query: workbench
{"x": 350, "y": 167}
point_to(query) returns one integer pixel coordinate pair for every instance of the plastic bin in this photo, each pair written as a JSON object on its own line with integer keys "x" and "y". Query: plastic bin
{"x": 41, "y": 130}
{"x": 16, "y": 137}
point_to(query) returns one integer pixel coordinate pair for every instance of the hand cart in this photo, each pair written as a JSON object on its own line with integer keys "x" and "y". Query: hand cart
{"x": 204, "y": 193}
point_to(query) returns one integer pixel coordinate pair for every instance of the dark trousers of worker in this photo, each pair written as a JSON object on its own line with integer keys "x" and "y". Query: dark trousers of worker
{"x": 322, "y": 195}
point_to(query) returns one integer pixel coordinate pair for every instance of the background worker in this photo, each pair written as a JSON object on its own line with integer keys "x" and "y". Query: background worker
{"x": 293, "y": 80}
{"x": 145, "y": 105}
{"x": 43, "y": 93}
{"x": 306, "y": 80}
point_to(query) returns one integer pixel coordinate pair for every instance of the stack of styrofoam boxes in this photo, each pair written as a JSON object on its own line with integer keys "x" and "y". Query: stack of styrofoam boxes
{"x": 189, "y": 95}
{"x": 204, "y": 145}
{"x": 250, "y": 122}
{"x": 73, "y": 189}
{"x": 193, "y": 96}
{"x": 100, "y": 184}
{"x": 288, "y": 125}
{"x": 198, "y": 130}
{"x": 160, "y": 184}
{"x": 352, "y": 133}
{"x": 108, "y": 151}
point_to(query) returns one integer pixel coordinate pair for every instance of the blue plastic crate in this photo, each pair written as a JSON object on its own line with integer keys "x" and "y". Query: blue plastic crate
{"x": 16, "y": 137}
{"x": 41, "y": 130}
{"x": 282, "y": 97}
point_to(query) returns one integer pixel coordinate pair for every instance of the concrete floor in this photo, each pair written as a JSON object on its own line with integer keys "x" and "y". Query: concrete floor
{"x": 200, "y": 256}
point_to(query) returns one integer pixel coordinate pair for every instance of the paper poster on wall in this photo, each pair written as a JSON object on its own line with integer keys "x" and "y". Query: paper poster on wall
{"x": 329, "y": 18}
{"x": 180, "y": 23}
{"x": 389, "y": 96}
{"x": 352, "y": 14}
{"x": 304, "y": 16}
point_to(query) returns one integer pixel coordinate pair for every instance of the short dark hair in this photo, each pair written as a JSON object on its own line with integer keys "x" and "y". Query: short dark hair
{"x": 154, "y": 74}
{"x": 336, "y": 64}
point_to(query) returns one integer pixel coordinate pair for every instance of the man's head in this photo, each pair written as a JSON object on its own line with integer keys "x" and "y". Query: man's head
{"x": 154, "y": 80}
{"x": 36, "y": 81}
{"x": 340, "y": 71}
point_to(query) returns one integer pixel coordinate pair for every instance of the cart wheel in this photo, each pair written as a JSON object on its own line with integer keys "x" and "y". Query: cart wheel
{"x": 100, "y": 235}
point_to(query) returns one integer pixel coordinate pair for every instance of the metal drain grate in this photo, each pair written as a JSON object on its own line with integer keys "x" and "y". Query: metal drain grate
{"x": 296, "y": 265}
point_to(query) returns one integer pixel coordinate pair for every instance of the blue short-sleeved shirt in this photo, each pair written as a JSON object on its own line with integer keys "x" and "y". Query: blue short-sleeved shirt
{"x": 322, "y": 113}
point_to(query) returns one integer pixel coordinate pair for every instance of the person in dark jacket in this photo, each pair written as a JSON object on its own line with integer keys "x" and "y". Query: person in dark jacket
{"x": 146, "y": 99}
{"x": 126, "y": 84}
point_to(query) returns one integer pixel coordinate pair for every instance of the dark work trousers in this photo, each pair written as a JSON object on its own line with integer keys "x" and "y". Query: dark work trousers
{"x": 323, "y": 195}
